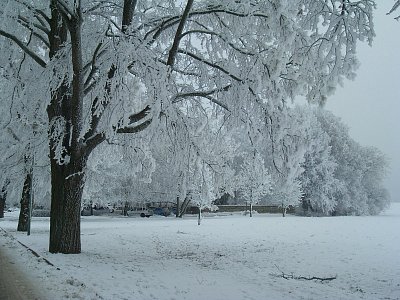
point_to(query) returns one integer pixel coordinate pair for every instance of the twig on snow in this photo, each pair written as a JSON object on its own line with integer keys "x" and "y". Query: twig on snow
{"x": 292, "y": 276}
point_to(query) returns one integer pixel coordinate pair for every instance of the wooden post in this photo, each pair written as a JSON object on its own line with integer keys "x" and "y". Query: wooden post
{"x": 177, "y": 207}
{"x": 199, "y": 217}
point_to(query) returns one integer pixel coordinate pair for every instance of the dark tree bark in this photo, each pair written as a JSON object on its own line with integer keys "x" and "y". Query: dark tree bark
{"x": 3, "y": 197}
{"x": 184, "y": 206}
{"x": 125, "y": 209}
{"x": 199, "y": 217}
{"x": 24, "y": 212}
{"x": 2, "y": 205}
{"x": 67, "y": 178}
{"x": 66, "y": 193}
{"x": 177, "y": 207}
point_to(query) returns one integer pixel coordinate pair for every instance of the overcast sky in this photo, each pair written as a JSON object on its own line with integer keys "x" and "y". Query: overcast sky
{"x": 370, "y": 105}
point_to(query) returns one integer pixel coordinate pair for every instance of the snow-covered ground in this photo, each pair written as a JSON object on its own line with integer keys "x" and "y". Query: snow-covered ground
{"x": 226, "y": 257}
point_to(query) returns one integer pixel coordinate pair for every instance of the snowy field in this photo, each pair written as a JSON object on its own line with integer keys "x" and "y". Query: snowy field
{"x": 226, "y": 257}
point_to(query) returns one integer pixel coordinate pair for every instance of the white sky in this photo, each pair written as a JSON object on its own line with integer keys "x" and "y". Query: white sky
{"x": 370, "y": 105}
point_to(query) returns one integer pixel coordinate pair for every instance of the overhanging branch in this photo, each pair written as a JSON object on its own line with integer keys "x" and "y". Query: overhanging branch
{"x": 213, "y": 65}
{"x": 28, "y": 51}
{"x": 204, "y": 94}
{"x": 178, "y": 34}
{"x": 167, "y": 23}
{"x": 134, "y": 129}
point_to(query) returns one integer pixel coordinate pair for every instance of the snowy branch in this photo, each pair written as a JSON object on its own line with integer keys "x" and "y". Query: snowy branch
{"x": 395, "y": 7}
{"x": 28, "y": 51}
{"x": 208, "y": 63}
{"x": 169, "y": 22}
{"x": 134, "y": 129}
{"x": 204, "y": 94}
{"x": 178, "y": 34}
{"x": 140, "y": 115}
{"x": 24, "y": 22}
{"x": 39, "y": 14}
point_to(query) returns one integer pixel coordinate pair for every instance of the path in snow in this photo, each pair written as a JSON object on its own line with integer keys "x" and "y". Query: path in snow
{"x": 14, "y": 284}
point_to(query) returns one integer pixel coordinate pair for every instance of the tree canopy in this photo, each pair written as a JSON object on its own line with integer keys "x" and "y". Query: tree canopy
{"x": 79, "y": 73}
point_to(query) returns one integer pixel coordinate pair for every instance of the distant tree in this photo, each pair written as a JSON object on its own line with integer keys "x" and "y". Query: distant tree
{"x": 359, "y": 172}
{"x": 283, "y": 151}
{"x": 253, "y": 180}
{"x": 318, "y": 180}
{"x": 376, "y": 166}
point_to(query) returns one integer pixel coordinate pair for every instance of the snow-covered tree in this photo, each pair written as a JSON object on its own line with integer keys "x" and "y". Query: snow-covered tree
{"x": 376, "y": 166}
{"x": 92, "y": 59}
{"x": 253, "y": 180}
{"x": 317, "y": 180}
{"x": 359, "y": 171}
{"x": 284, "y": 151}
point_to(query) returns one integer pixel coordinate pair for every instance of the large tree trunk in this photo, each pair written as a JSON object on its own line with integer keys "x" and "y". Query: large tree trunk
{"x": 67, "y": 173}
{"x": 66, "y": 107}
{"x": 67, "y": 183}
{"x": 24, "y": 212}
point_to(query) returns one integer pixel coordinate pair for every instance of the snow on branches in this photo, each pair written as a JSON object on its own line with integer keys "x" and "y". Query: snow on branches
{"x": 108, "y": 68}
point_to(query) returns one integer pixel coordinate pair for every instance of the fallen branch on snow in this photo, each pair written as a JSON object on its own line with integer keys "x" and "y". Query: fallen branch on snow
{"x": 292, "y": 276}
{"x": 38, "y": 256}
